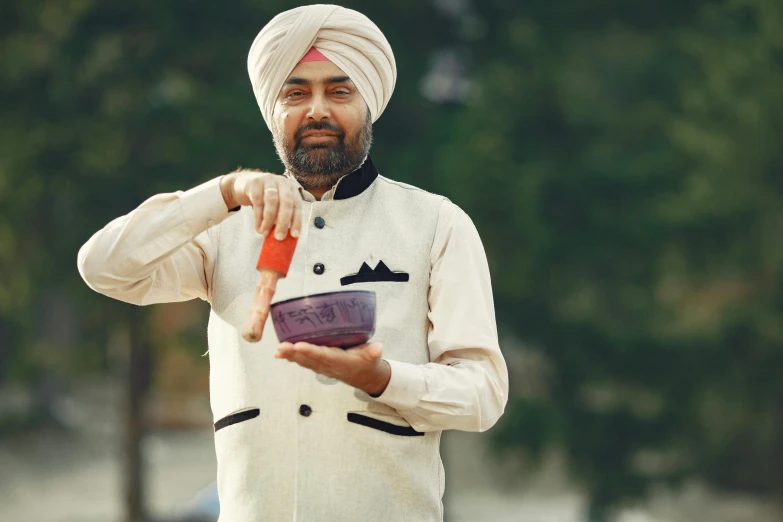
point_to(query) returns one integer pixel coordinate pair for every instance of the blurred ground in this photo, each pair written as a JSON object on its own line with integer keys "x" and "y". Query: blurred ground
{"x": 76, "y": 477}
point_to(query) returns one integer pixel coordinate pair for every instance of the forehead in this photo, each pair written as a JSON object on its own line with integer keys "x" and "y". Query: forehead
{"x": 315, "y": 71}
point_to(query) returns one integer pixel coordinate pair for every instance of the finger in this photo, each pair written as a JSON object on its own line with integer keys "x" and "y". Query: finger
{"x": 309, "y": 363}
{"x": 271, "y": 202}
{"x": 289, "y": 351}
{"x": 284, "y": 211}
{"x": 323, "y": 354}
{"x": 317, "y": 358}
{"x": 296, "y": 226}
{"x": 284, "y": 351}
{"x": 257, "y": 200}
{"x": 377, "y": 348}
{"x": 239, "y": 189}
{"x": 293, "y": 355}
{"x": 369, "y": 350}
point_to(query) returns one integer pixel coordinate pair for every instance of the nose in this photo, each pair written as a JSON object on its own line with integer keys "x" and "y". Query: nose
{"x": 319, "y": 108}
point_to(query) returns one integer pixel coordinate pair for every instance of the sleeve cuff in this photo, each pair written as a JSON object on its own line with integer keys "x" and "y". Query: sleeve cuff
{"x": 203, "y": 206}
{"x": 406, "y": 386}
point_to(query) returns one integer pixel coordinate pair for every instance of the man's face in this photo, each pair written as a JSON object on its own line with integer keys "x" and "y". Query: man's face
{"x": 321, "y": 125}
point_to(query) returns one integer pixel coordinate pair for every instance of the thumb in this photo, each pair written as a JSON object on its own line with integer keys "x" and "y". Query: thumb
{"x": 375, "y": 350}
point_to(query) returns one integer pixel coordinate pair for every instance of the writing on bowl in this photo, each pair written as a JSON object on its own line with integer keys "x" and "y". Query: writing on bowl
{"x": 340, "y": 319}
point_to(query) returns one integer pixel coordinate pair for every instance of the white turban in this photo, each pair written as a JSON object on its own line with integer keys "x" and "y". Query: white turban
{"x": 347, "y": 38}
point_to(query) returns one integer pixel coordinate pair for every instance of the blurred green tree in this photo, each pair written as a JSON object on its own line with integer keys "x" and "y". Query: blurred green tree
{"x": 621, "y": 162}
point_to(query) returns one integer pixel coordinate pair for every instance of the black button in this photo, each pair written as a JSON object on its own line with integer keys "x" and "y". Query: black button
{"x": 305, "y": 410}
{"x": 319, "y": 268}
{"x": 319, "y": 222}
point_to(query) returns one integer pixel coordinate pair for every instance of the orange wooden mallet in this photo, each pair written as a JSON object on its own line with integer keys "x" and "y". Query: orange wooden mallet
{"x": 273, "y": 263}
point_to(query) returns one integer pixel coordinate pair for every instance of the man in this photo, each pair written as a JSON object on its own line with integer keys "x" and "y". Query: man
{"x": 312, "y": 433}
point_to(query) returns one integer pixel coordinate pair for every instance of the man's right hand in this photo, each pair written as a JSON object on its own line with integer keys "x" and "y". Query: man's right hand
{"x": 275, "y": 200}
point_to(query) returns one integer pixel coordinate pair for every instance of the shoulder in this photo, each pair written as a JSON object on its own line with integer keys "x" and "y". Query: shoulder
{"x": 450, "y": 215}
{"x": 410, "y": 191}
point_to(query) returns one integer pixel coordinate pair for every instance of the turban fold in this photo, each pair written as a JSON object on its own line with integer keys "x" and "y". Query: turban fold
{"x": 346, "y": 37}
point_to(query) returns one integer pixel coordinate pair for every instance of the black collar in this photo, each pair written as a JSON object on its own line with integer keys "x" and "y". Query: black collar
{"x": 357, "y": 181}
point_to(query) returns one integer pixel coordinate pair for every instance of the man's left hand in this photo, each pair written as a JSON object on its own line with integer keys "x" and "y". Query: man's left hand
{"x": 360, "y": 366}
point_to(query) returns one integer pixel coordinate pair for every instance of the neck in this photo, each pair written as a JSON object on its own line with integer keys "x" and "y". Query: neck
{"x": 325, "y": 183}
{"x": 358, "y": 179}
{"x": 317, "y": 192}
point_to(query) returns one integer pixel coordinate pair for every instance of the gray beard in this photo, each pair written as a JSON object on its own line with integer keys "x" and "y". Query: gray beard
{"x": 322, "y": 166}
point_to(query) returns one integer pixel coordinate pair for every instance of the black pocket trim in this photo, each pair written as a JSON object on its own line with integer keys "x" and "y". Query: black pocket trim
{"x": 235, "y": 418}
{"x": 388, "y": 427}
{"x": 380, "y": 273}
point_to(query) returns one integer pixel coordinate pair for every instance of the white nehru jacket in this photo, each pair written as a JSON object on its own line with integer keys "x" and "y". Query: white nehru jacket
{"x": 348, "y": 38}
{"x": 292, "y": 445}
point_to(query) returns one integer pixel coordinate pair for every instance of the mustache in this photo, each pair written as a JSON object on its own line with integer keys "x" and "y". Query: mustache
{"x": 319, "y": 126}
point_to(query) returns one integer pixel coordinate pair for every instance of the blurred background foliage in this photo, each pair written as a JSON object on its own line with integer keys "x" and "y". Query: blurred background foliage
{"x": 621, "y": 160}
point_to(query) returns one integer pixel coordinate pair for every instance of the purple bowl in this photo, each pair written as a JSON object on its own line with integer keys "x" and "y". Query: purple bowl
{"x": 341, "y": 319}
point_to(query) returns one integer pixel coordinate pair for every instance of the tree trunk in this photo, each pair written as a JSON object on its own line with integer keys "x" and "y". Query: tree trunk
{"x": 444, "y": 455}
{"x": 136, "y": 386}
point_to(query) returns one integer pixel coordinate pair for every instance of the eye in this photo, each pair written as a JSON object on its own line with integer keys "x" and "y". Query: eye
{"x": 342, "y": 92}
{"x": 294, "y": 94}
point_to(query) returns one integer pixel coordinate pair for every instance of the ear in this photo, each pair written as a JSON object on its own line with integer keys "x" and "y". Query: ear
{"x": 275, "y": 116}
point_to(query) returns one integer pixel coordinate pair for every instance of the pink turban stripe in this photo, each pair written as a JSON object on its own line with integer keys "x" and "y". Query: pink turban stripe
{"x": 313, "y": 55}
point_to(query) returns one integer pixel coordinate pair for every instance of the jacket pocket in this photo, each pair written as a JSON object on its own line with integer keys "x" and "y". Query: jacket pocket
{"x": 237, "y": 417}
{"x": 388, "y": 427}
{"x": 377, "y": 274}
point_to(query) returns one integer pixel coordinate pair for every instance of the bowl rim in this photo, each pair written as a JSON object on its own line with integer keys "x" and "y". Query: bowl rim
{"x": 369, "y": 292}
{"x": 331, "y": 333}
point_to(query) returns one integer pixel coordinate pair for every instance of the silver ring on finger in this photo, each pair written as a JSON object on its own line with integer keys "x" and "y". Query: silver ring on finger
{"x": 270, "y": 189}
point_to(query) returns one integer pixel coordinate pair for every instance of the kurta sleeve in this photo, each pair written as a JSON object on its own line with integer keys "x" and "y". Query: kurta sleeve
{"x": 465, "y": 387}
{"x": 163, "y": 251}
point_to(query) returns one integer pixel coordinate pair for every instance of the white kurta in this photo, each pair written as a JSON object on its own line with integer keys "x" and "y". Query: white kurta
{"x": 292, "y": 445}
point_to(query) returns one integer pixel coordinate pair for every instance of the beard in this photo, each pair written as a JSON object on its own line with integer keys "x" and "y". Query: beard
{"x": 321, "y": 165}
